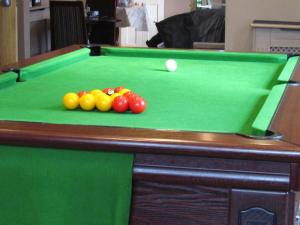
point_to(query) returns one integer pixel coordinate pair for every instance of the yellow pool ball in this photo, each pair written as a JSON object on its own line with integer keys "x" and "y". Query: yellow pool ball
{"x": 71, "y": 101}
{"x": 99, "y": 94}
{"x": 87, "y": 102}
{"x": 123, "y": 91}
{"x": 113, "y": 96}
{"x": 104, "y": 103}
{"x": 96, "y": 92}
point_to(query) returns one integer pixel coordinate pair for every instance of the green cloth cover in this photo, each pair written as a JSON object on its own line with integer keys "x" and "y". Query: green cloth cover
{"x": 64, "y": 187}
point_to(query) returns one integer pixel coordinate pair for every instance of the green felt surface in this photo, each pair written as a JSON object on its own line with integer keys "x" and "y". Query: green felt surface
{"x": 211, "y": 92}
{"x": 60, "y": 187}
{"x": 265, "y": 115}
{"x": 286, "y": 72}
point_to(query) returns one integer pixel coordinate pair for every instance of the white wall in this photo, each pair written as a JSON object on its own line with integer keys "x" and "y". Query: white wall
{"x": 240, "y": 14}
{"x": 174, "y": 7}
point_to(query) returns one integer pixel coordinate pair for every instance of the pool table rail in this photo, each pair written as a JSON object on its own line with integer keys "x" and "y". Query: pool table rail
{"x": 296, "y": 73}
{"x": 39, "y": 58}
{"x": 285, "y": 122}
{"x": 145, "y": 141}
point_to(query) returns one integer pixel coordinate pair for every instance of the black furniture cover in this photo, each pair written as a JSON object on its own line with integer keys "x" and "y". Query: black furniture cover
{"x": 180, "y": 31}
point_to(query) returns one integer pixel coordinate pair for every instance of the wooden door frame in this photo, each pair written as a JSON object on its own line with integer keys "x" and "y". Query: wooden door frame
{"x": 8, "y": 34}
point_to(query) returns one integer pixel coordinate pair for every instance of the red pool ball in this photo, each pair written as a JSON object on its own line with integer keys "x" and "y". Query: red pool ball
{"x": 120, "y": 104}
{"x": 81, "y": 93}
{"x": 130, "y": 95}
{"x": 108, "y": 91}
{"x": 117, "y": 89}
{"x": 137, "y": 105}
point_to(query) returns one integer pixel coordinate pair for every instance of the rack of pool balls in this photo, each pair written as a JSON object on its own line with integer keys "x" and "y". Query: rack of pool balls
{"x": 119, "y": 99}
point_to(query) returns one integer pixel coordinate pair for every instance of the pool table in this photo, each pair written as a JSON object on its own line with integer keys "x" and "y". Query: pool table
{"x": 219, "y": 141}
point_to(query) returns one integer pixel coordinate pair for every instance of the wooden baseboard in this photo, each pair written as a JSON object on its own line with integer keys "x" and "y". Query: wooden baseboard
{"x": 209, "y": 45}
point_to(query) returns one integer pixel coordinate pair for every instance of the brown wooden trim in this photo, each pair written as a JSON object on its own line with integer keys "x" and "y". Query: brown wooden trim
{"x": 295, "y": 177}
{"x": 215, "y": 178}
{"x": 209, "y": 163}
{"x": 42, "y": 57}
{"x": 145, "y": 141}
{"x": 296, "y": 74}
{"x": 287, "y": 119}
{"x": 279, "y": 203}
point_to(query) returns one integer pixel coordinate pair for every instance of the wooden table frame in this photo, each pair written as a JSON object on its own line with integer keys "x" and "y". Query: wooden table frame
{"x": 192, "y": 178}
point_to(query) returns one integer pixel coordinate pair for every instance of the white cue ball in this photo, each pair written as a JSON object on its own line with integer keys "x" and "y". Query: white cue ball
{"x": 171, "y": 65}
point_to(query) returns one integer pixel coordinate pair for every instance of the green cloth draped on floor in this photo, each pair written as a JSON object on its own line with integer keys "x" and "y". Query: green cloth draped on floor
{"x": 64, "y": 187}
